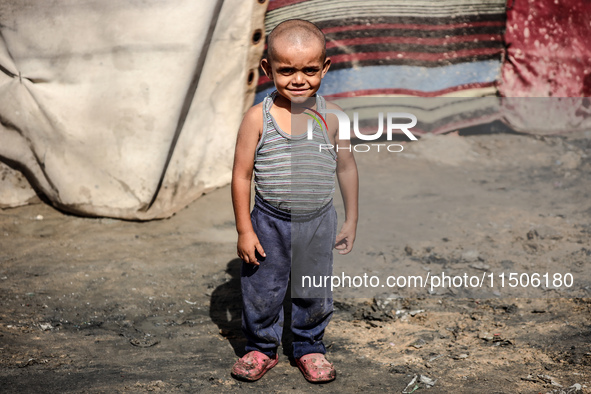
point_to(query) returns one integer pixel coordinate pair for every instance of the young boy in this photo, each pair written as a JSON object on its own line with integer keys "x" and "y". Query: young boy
{"x": 293, "y": 217}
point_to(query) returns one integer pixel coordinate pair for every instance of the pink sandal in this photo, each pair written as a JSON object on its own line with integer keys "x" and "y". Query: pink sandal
{"x": 315, "y": 368}
{"x": 253, "y": 365}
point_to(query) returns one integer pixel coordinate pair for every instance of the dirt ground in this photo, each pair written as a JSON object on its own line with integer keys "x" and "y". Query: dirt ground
{"x": 101, "y": 305}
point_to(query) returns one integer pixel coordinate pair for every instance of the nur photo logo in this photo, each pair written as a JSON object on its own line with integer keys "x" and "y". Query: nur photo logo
{"x": 392, "y": 124}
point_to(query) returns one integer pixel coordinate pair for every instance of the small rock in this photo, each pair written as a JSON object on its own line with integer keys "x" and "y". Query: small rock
{"x": 480, "y": 266}
{"x": 419, "y": 343}
{"x": 39, "y": 217}
{"x": 531, "y": 234}
{"x": 487, "y": 336}
{"x": 461, "y": 356}
{"x": 416, "y": 312}
{"x": 470, "y": 255}
{"x": 408, "y": 250}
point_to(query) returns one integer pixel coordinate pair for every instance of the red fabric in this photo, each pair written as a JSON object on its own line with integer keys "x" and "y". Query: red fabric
{"x": 548, "y": 49}
{"x": 413, "y": 40}
{"x": 411, "y": 26}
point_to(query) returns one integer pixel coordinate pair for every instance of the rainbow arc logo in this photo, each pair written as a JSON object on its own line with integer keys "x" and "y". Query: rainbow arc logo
{"x": 316, "y": 116}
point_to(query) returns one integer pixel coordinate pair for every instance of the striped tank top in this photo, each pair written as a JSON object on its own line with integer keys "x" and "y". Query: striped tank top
{"x": 292, "y": 173}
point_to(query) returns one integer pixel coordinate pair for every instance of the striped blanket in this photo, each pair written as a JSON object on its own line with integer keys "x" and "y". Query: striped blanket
{"x": 396, "y": 47}
{"x": 426, "y": 48}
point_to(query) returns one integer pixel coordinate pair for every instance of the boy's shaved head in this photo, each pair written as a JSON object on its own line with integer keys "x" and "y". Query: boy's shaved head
{"x": 295, "y": 32}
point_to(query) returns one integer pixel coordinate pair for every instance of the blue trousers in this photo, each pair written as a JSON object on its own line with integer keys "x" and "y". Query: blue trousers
{"x": 292, "y": 242}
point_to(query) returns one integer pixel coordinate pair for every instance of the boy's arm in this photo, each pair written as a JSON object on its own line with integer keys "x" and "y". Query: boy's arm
{"x": 349, "y": 185}
{"x": 246, "y": 142}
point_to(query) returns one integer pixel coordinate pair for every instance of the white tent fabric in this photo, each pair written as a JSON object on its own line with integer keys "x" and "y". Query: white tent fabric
{"x": 126, "y": 109}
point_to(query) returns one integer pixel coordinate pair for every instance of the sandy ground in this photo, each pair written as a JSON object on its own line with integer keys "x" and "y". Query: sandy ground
{"x": 102, "y": 305}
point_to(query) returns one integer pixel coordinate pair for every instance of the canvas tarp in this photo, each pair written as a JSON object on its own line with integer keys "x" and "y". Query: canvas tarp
{"x": 123, "y": 109}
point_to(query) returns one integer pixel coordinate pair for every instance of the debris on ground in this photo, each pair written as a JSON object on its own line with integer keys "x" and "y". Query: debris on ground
{"x": 417, "y": 382}
{"x": 549, "y": 379}
{"x": 383, "y": 308}
{"x": 575, "y": 388}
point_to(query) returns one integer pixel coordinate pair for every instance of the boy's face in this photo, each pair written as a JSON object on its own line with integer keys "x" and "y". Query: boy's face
{"x": 296, "y": 69}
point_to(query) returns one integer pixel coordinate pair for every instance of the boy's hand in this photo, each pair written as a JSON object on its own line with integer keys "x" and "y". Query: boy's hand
{"x": 346, "y": 238}
{"x": 248, "y": 246}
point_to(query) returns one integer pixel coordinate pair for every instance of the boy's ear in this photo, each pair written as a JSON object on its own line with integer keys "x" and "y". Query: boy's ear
{"x": 266, "y": 66}
{"x": 325, "y": 66}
